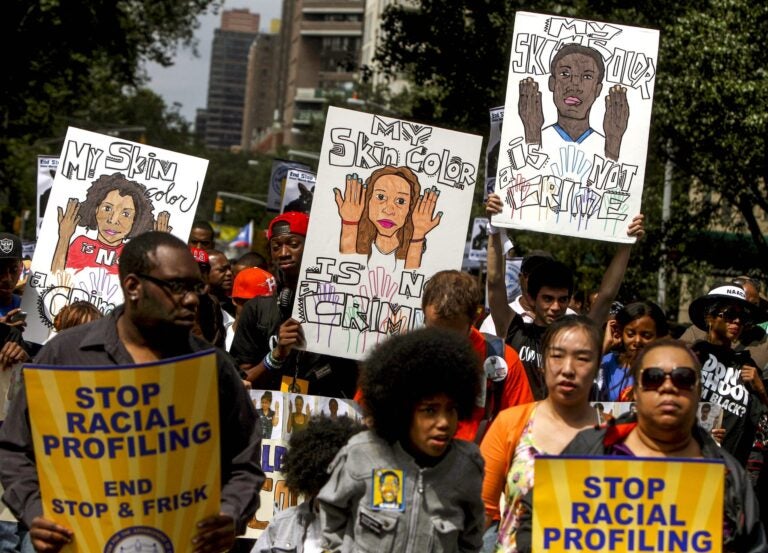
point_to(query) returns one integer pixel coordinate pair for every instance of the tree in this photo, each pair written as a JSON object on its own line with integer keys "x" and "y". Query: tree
{"x": 66, "y": 58}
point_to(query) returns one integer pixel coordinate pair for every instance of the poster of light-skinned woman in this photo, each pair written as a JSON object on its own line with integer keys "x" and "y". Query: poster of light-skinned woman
{"x": 577, "y": 117}
{"x": 391, "y": 208}
{"x": 106, "y": 191}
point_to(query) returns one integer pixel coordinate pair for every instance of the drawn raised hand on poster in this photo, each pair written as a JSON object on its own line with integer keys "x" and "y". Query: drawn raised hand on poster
{"x": 530, "y": 110}
{"x": 576, "y": 80}
{"x": 117, "y": 209}
{"x": 388, "y": 216}
{"x": 615, "y": 120}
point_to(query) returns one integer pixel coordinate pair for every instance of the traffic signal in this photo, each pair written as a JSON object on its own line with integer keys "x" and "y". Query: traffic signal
{"x": 218, "y": 209}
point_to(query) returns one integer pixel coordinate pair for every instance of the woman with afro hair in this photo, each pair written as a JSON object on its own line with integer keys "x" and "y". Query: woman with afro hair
{"x": 304, "y": 466}
{"x": 406, "y": 484}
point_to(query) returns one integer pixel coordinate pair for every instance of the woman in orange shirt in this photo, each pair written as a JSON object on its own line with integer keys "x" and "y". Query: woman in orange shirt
{"x": 571, "y": 349}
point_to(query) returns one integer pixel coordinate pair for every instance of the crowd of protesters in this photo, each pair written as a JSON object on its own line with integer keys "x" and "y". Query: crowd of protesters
{"x": 455, "y": 413}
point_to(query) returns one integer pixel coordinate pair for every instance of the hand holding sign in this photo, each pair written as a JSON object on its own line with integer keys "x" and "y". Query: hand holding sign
{"x": 216, "y": 533}
{"x": 46, "y": 535}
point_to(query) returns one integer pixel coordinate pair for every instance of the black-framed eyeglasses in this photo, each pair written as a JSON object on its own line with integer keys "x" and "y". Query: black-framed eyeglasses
{"x": 683, "y": 378}
{"x": 731, "y": 315}
{"x": 178, "y": 287}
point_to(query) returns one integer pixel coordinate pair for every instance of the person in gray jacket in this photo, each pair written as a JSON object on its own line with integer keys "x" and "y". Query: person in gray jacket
{"x": 407, "y": 485}
{"x": 297, "y": 529}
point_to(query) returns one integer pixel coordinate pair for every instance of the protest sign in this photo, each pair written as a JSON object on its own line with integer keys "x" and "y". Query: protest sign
{"x": 627, "y": 504}
{"x": 299, "y": 189}
{"x": 280, "y": 168}
{"x": 577, "y": 116}
{"x": 391, "y": 208}
{"x": 492, "y": 150}
{"x": 46, "y": 171}
{"x": 272, "y": 408}
{"x": 127, "y": 455}
{"x": 478, "y": 243}
{"x": 106, "y": 191}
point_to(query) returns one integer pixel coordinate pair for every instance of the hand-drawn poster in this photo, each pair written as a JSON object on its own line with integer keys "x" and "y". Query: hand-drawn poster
{"x": 106, "y": 191}
{"x": 492, "y": 150}
{"x": 271, "y": 408}
{"x": 575, "y": 134}
{"x": 299, "y": 189}
{"x": 46, "y": 171}
{"x": 629, "y": 504}
{"x": 478, "y": 243}
{"x": 280, "y": 168}
{"x": 127, "y": 455}
{"x": 391, "y": 208}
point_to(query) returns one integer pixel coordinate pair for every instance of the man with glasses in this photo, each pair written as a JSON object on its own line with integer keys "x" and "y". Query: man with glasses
{"x": 161, "y": 282}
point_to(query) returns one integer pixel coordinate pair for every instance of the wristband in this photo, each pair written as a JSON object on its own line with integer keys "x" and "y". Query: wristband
{"x": 271, "y": 363}
{"x": 416, "y": 240}
{"x": 351, "y": 223}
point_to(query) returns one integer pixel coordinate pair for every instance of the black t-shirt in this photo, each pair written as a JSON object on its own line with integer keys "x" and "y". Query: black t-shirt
{"x": 260, "y": 320}
{"x": 525, "y": 339}
{"x": 721, "y": 385}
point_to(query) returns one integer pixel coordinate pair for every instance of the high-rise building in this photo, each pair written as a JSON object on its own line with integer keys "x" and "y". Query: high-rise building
{"x": 226, "y": 83}
{"x": 261, "y": 93}
{"x": 319, "y": 55}
{"x": 373, "y": 33}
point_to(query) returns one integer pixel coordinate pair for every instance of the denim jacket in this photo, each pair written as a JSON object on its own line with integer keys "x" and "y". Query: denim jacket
{"x": 443, "y": 510}
{"x": 287, "y": 530}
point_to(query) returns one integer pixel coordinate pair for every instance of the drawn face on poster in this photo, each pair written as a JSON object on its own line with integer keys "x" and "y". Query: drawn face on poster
{"x": 106, "y": 191}
{"x": 398, "y": 196}
{"x": 573, "y": 146}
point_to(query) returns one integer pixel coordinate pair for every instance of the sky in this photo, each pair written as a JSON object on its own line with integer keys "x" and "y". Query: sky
{"x": 186, "y": 81}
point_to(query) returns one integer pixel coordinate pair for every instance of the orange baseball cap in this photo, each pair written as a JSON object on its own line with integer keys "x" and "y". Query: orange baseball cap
{"x": 253, "y": 283}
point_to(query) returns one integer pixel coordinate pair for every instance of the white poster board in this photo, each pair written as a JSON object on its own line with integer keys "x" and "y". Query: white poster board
{"x": 391, "y": 208}
{"x": 46, "y": 171}
{"x": 106, "y": 191}
{"x": 299, "y": 189}
{"x": 478, "y": 243}
{"x": 575, "y": 134}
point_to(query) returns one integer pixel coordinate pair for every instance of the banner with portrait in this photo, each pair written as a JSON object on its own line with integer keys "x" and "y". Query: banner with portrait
{"x": 575, "y": 135}
{"x": 280, "y": 168}
{"x": 127, "y": 456}
{"x": 279, "y": 414}
{"x": 46, "y": 172}
{"x": 106, "y": 191}
{"x": 299, "y": 189}
{"x": 391, "y": 208}
{"x": 627, "y": 504}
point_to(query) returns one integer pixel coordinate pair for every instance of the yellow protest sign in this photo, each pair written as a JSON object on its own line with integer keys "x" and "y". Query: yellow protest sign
{"x": 128, "y": 457}
{"x": 624, "y": 504}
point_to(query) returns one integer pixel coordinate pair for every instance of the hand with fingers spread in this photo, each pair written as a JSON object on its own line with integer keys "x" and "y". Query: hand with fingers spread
{"x": 351, "y": 206}
{"x": 530, "y": 110}
{"x": 216, "y": 534}
{"x": 615, "y": 120}
{"x": 424, "y": 220}
{"x": 49, "y": 537}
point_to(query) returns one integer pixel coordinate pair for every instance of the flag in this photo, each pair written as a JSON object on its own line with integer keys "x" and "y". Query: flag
{"x": 244, "y": 238}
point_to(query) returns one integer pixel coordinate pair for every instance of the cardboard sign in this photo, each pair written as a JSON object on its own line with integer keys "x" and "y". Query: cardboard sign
{"x": 106, "y": 191}
{"x": 575, "y": 135}
{"x": 127, "y": 455}
{"x": 627, "y": 504}
{"x": 391, "y": 208}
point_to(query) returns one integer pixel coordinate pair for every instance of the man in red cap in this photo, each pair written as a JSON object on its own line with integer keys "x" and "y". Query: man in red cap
{"x": 267, "y": 337}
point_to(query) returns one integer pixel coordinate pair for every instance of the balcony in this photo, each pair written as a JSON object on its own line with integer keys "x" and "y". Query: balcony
{"x": 331, "y": 28}
{"x": 332, "y": 6}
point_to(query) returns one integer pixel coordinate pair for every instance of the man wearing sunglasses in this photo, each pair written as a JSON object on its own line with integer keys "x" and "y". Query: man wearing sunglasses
{"x": 161, "y": 283}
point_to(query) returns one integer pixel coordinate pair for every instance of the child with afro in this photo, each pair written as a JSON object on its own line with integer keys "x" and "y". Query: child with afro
{"x": 297, "y": 529}
{"x": 406, "y": 484}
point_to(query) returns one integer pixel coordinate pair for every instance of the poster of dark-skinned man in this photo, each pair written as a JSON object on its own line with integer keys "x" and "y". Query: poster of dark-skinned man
{"x": 575, "y": 135}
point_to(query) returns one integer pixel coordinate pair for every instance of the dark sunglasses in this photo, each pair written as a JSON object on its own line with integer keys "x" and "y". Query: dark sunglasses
{"x": 683, "y": 378}
{"x": 177, "y": 287}
{"x": 731, "y": 315}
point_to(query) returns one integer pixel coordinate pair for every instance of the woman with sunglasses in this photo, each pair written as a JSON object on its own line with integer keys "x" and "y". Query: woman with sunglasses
{"x": 571, "y": 353}
{"x": 669, "y": 380}
{"x": 730, "y": 378}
